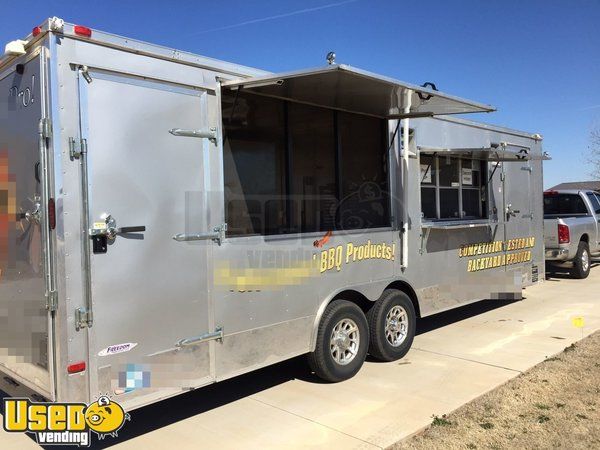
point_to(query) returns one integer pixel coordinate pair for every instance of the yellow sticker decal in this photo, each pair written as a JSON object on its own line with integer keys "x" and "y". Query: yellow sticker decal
{"x": 336, "y": 257}
{"x": 488, "y": 255}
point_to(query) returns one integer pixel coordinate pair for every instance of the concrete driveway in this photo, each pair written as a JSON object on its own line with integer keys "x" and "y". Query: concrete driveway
{"x": 456, "y": 357}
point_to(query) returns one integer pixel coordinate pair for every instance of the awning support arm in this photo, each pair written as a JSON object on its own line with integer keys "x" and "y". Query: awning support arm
{"x": 494, "y": 171}
{"x": 405, "y": 153}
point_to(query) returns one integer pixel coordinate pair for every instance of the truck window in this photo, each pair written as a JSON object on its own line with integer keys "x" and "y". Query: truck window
{"x": 564, "y": 205}
{"x": 290, "y": 167}
{"x": 595, "y": 201}
{"x": 452, "y": 188}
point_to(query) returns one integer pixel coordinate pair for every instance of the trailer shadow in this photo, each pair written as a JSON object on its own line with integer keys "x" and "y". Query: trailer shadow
{"x": 184, "y": 406}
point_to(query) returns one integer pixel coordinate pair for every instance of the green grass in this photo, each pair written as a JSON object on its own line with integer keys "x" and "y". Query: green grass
{"x": 542, "y": 418}
{"x": 440, "y": 421}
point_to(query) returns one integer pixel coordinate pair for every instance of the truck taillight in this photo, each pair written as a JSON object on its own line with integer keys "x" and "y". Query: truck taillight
{"x": 564, "y": 236}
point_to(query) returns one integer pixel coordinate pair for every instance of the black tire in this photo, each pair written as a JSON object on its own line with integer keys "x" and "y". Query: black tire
{"x": 380, "y": 347}
{"x": 582, "y": 261}
{"x": 322, "y": 361}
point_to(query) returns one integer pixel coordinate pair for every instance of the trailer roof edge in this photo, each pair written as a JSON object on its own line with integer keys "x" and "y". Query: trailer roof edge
{"x": 491, "y": 127}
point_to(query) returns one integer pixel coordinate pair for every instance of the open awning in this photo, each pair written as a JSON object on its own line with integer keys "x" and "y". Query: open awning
{"x": 502, "y": 151}
{"x": 348, "y": 89}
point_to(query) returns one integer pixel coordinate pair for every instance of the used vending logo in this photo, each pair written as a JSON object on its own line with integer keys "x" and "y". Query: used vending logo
{"x": 64, "y": 423}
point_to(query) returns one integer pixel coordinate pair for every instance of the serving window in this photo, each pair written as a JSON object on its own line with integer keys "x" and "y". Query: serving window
{"x": 291, "y": 167}
{"x": 452, "y": 188}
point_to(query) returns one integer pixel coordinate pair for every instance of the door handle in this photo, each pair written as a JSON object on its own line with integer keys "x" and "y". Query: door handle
{"x": 109, "y": 228}
{"x": 124, "y": 230}
{"x": 101, "y": 232}
{"x": 511, "y": 212}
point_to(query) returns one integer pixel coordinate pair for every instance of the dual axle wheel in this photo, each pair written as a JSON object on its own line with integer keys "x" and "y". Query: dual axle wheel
{"x": 346, "y": 335}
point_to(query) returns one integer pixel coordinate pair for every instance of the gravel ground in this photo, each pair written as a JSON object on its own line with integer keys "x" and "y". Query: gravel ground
{"x": 556, "y": 404}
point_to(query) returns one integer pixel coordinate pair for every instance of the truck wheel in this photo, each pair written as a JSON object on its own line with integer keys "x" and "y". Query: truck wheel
{"x": 581, "y": 263}
{"x": 342, "y": 342}
{"x": 392, "y": 323}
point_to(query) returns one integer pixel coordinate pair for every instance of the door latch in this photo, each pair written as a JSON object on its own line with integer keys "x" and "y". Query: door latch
{"x": 83, "y": 318}
{"x": 34, "y": 215}
{"x": 216, "y": 335}
{"x": 217, "y": 235}
{"x": 510, "y": 212}
{"x": 210, "y": 133}
{"x": 107, "y": 230}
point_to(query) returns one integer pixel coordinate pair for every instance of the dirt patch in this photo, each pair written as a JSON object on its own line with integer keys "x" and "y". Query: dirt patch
{"x": 555, "y": 404}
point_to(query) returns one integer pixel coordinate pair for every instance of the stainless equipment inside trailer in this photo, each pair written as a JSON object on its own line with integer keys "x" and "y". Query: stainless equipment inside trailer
{"x": 170, "y": 220}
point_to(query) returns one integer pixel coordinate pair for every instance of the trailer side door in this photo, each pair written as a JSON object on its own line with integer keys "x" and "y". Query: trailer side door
{"x": 26, "y": 231}
{"x": 519, "y": 235}
{"x": 146, "y": 291}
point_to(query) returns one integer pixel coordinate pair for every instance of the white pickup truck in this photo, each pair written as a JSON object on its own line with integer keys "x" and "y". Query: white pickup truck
{"x": 571, "y": 229}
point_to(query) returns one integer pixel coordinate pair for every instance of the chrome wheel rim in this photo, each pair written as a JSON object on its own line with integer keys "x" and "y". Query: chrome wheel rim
{"x": 585, "y": 261}
{"x": 396, "y": 326}
{"x": 344, "y": 341}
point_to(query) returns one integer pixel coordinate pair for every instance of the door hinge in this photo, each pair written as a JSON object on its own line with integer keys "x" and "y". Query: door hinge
{"x": 502, "y": 177}
{"x": 85, "y": 73}
{"x": 83, "y": 318}
{"x": 527, "y": 168}
{"x": 51, "y": 300}
{"x": 77, "y": 147}
{"x": 45, "y": 128}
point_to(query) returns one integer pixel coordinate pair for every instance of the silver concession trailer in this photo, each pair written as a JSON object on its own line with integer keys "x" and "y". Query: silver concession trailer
{"x": 169, "y": 220}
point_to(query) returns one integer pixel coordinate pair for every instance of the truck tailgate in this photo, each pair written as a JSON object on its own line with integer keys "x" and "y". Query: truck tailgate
{"x": 551, "y": 233}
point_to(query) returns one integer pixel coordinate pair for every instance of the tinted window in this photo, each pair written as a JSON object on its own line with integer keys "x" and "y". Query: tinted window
{"x": 449, "y": 204}
{"x": 363, "y": 176}
{"x": 291, "y": 168}
{"x": 471, "y": 203}
{"x": 254, "y": 164}
{"x": 448, "y": 171}
{"x": 564, "y": 204}
{"x": 595, "y": 201}
{"x": 456, "y": 184}
{"x": 428, "y": 203}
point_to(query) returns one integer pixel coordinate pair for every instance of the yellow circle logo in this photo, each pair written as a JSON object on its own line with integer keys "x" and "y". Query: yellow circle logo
{"x": 105, "y": 417}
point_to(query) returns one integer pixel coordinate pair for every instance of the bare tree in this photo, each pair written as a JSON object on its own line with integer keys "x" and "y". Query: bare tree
{"x": 594, "y": 153}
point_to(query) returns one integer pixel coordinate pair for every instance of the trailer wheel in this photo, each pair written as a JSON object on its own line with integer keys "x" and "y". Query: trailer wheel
{"x": 342, "y": 342}
{"x": 392, "y": 323}
{"x": 581, "y": 263}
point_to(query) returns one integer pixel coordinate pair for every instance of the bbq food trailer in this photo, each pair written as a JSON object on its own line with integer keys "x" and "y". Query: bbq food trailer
{"x": 189, "y": 220}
